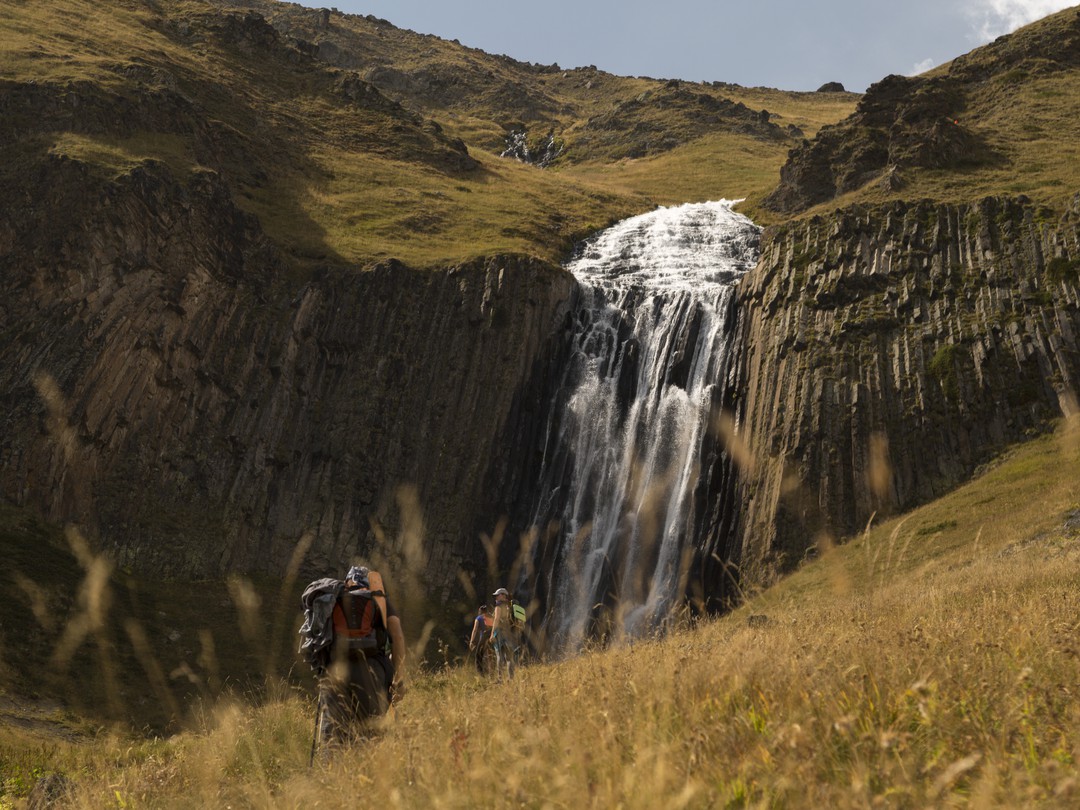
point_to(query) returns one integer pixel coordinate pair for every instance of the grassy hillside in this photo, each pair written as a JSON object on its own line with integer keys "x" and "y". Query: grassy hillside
{"x": 1024, "y": 99}
{"x": 931, "y": 661}
{"x": 336, "y": 172}
{"x": 650, "y": 140}
{"x": 347, "y": 136}
{"x": 342, "y": 170}
{"x": 480, "y": 96}
{"x": 1003, "y": 118}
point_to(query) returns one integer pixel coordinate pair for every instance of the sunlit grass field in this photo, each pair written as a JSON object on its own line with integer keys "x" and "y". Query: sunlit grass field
{"x": 931, "y": 662}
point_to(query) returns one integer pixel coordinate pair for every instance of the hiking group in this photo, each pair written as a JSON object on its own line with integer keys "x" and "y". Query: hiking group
{"x": 497, "y": 635}
{"x": 352, "y": 638}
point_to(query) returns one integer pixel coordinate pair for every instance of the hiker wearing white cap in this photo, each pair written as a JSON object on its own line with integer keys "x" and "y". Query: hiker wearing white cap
{"x": 506, "y": 632}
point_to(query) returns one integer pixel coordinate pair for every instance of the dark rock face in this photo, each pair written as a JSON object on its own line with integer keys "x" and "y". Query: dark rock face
{"x": 831, "y": 87}
{"x": 890, "y": 351}
{"x": 165, "y": 386}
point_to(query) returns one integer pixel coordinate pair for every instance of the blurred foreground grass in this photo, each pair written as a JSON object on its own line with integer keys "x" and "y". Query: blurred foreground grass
{"x": 932, "y": 662}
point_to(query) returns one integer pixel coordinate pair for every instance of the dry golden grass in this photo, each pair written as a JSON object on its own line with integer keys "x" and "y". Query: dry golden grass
{"x": 932, "y": 662}
{"x": 711, "y": 168}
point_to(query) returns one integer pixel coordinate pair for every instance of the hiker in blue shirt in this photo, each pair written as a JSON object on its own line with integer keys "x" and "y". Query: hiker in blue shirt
{"x": 480, "y": 638}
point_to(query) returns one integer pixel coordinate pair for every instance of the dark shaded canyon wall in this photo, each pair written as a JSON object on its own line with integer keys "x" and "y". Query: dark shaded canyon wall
{"x": 170, "y": 387}
{"x": 888, "y": 352}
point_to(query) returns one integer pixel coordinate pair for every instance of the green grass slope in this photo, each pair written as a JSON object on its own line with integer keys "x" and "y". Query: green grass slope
{"x": 335, "y": 171}
{"x": 362, "y": 142}
{"x": 931, "y": 661}
{"x": 656, "y": 141}
{"x": 1000, "y": 119}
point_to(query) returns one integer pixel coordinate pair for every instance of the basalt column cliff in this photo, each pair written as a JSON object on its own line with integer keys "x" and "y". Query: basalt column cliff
{"x": 166, "y": 388}
{"x": 888, "y": 352}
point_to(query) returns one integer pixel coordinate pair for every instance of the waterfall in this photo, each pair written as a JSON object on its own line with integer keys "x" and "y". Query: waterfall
{"x": 627, "y": 433}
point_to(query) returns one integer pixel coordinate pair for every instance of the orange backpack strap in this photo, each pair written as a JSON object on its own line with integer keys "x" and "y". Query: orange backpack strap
{"x": 375, "y": 583}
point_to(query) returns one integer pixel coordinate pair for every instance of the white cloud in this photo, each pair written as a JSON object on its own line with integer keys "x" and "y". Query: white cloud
{"x": 921, "y": 67}
{"x": 992, "y": 18}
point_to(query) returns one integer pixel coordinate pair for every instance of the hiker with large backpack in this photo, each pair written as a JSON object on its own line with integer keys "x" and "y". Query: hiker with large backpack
{"x": 506, "y": 632}
{"x": 352, "y": 638}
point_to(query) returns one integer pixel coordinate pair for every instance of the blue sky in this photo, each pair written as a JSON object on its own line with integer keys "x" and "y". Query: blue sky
{"x": 774, "y": 43}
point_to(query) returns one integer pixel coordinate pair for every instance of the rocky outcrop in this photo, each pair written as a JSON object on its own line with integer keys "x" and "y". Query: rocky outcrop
{"x": 920, "y": 122}
{"x": 168, "y": 388}
{"x": 889, "y": 351}
{"x": 901, "y": 123}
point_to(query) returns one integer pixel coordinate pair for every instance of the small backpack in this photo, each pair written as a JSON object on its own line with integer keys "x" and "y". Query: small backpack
{"x": 517, "y": 615}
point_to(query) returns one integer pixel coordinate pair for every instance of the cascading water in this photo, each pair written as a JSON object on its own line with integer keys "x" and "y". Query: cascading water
{"x": 626, "y": 439}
